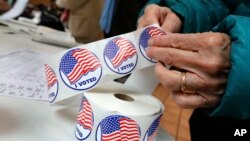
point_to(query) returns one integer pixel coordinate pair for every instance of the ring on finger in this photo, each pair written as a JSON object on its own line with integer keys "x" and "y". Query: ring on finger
{"x": 184, "y": 83}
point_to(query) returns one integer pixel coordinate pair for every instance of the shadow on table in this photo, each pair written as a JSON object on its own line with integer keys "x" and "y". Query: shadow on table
{"x": 9, "y": 121}
{"x": 68, "y": 114}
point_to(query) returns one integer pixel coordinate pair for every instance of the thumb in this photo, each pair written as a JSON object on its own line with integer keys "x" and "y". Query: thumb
{"x": 171, "y": 23}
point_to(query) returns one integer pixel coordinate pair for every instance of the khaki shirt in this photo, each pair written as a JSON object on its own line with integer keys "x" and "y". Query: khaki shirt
{"x": 84, "y": 19}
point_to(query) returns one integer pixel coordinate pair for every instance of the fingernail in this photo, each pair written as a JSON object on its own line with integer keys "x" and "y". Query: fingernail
{"x": 150, "y": 42}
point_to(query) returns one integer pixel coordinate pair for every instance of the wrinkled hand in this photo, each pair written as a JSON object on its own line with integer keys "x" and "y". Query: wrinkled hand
{"x": 204, "y": 57}
{"x": 163, "y": 16}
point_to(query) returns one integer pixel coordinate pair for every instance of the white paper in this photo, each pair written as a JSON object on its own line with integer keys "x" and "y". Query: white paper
{"x": 50, "y": 36}
{"x": 22, "y": 75}
{"x": 15, "y": 11}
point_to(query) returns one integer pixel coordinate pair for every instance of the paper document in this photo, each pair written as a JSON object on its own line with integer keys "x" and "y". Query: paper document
{"x": 22, "y": 75}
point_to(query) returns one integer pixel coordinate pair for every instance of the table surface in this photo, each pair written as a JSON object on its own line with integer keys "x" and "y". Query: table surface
{"x": 30, "y": 120}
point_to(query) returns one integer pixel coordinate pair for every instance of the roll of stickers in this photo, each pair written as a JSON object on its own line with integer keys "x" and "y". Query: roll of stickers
{"x": 85, "y": 67}
{"x": 110, "y": 116}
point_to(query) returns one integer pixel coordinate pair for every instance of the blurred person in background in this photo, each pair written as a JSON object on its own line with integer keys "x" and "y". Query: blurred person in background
{"x": 50, "y": 16}
{"x": 84, "y": 18}
{"x": 120, "y": 16}
{"x": 4, "y": 6}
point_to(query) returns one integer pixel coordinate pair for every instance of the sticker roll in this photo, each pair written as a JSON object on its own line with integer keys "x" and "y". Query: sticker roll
{"x": 90, "y": 65}
{"x": 110, "y": 116}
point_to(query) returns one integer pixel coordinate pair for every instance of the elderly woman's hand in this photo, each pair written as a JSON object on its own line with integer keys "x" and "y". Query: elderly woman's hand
{"x": 163, "y": 16}
{"x": 202, "y": 61}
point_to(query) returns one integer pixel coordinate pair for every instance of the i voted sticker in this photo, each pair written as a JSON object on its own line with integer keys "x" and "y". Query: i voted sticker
{"x": 118, "y": 128}
{"x": 80, "y": 69}
{"x": 145, "y": 36}
{"x": 85, "y": 120}
{"x": 52, "y": 83}
{"x": 120, "y": 55}
{"x": 153, "y": 130}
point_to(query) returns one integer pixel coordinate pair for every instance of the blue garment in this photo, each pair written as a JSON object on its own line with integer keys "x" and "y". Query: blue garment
{"x": 107, "y": 15}
{"x": 236, "y": 100}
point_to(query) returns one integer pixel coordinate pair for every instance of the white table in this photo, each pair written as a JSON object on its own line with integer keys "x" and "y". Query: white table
{"x": 29, "y": 120}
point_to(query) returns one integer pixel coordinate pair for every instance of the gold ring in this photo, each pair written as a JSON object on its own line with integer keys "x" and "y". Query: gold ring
{"x": 183, "y": 81}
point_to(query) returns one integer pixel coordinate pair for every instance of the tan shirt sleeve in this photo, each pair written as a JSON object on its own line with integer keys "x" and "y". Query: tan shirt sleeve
{"x": 70, "y": 4}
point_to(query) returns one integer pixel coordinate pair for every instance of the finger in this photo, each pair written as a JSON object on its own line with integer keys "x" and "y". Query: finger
{"x": 151, "y": 15}
{"x": 215, "y": 65}
{"x": 190, "y": 61}
{"x": 172, "y": 79}
{"x": 164, "y": 12}
{"x": 171, "y": 23}
{"x": 182, "y": 59}
{"x": 168, "y": 78}
{"x": 194, "y": 100}
{"x": 145, "y": 21}
{"x": 193, "y": 42}
{"x": 175, "y": 40}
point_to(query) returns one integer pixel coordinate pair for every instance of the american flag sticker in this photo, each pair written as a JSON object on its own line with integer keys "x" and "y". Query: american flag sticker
{"x": 80, "y": 69}
{"x": 52, "y": 82}
{"x": 120, "y": 55}
{"x": 153, "y": 130}
{"x": 118, "y": 128}
{"x": 85, "y": 120}
{"x": 145, "y": 36}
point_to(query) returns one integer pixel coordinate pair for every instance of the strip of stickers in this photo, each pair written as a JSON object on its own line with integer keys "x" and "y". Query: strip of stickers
{"x": 85, "y": 67}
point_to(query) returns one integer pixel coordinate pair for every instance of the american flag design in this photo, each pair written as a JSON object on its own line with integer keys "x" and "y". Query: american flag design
{"x": 153, "y": 130}
{"x": 145, "y": 36}
{"x": 119, "y": 128}
{"x": 50, "y": 76}
{"x": 52, "y": 83}
{"x": 85, "y": 120}
{"x": 118, "y": 51}
{"x": 85, "y": 116}
{"x": 78, "y": 65}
